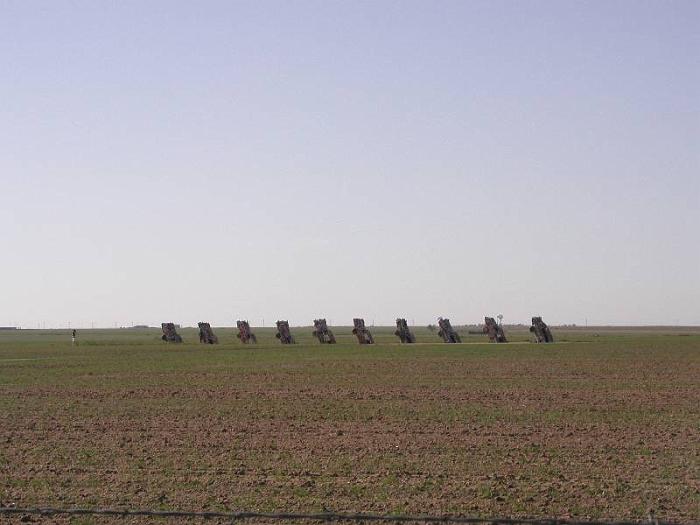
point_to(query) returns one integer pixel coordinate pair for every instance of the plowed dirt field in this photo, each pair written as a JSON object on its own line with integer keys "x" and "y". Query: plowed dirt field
{"x": 606, "y": 427}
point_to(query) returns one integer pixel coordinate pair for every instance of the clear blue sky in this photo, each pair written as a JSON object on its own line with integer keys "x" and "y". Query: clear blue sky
{"x": 186, "y": 161}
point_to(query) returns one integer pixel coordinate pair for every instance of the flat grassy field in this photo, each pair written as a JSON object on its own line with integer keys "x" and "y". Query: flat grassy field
{"x": 603, "y": 424}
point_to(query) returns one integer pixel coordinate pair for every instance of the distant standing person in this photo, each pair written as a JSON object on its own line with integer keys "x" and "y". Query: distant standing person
{"x": 73, "y": 337}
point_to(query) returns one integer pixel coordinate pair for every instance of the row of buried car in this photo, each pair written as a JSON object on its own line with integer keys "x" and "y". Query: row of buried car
{"x": 325, "y": 336}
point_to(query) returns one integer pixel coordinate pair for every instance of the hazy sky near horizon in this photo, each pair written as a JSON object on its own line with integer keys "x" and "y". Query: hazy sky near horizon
{"x": 186, "y": 161}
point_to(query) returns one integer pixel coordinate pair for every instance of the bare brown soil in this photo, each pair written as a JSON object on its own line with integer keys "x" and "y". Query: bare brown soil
{"x": 579, "y": 436}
